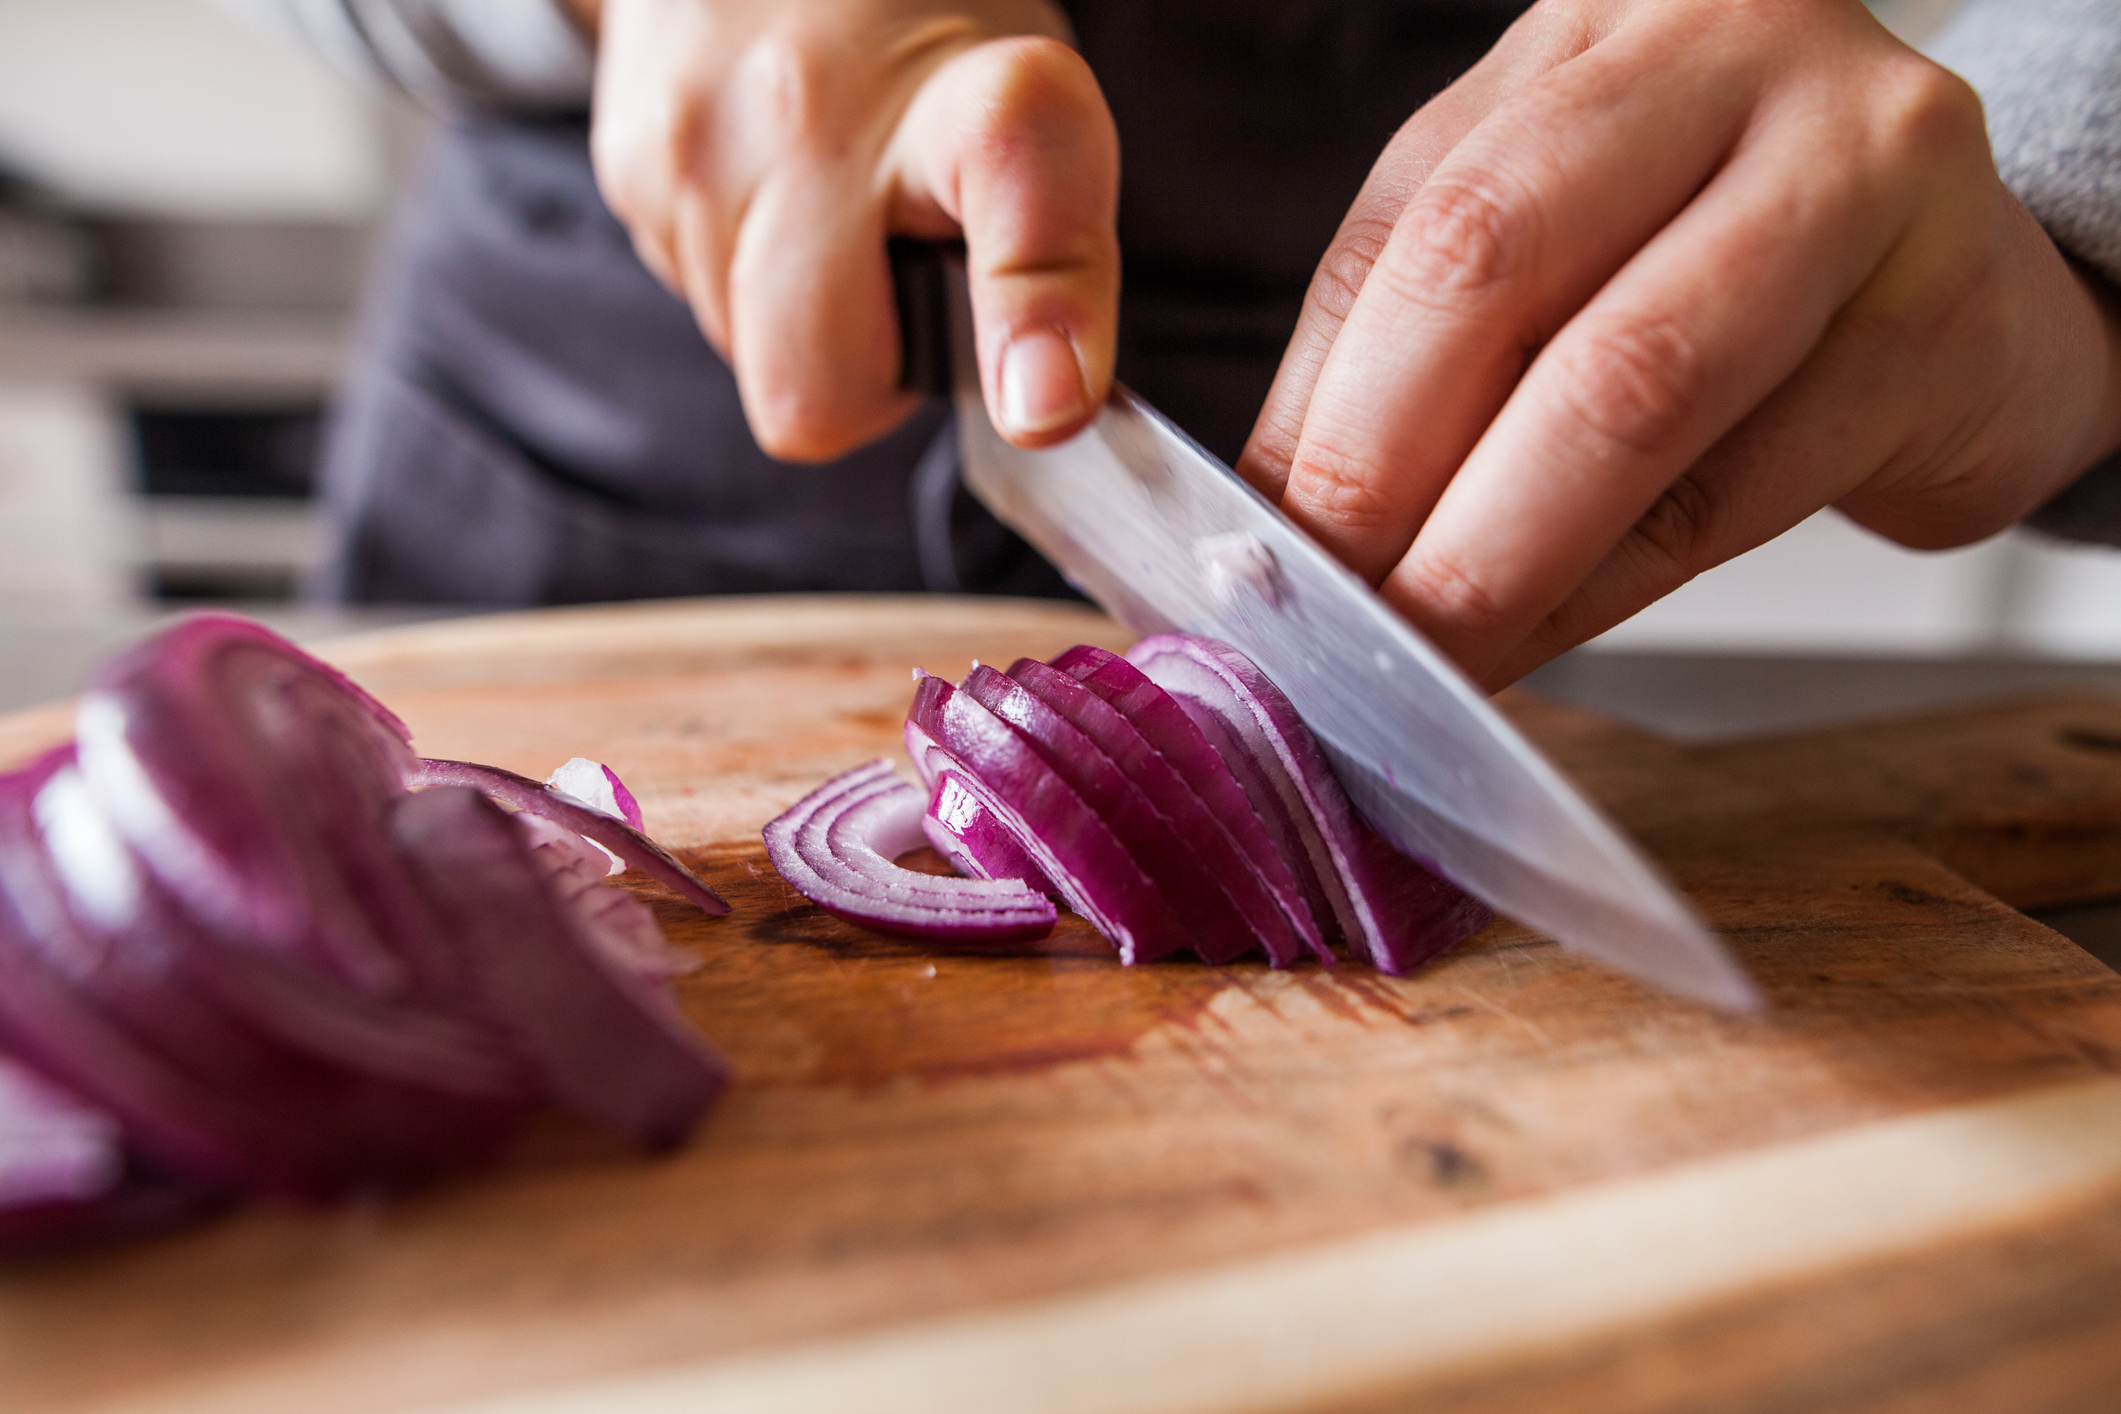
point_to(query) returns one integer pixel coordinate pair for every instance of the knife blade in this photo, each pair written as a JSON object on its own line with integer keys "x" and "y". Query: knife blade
{"x": 1165, "y": 537}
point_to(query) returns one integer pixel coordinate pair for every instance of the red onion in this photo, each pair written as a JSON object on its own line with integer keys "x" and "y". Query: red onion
{"x": 1165, "y": 725}
{"x": 948, "y": 730}
{"x": 53, "y": 1147}
{"x": 1215, "y": 929}
{"x": 837, "y": 845}
{"x": 1244, "y": 892}
{"x": 606, "y": 1043}
{"x": 597, "y": 786}
{"x": 608, "y": 832}
{"x": 973, "y": 838}
{"x": 232, "y": 936}
{"x": 1173, "y": 798}
{"x": 1396, "y": 910}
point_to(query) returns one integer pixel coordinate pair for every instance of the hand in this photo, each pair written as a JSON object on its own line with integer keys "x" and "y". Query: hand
{"x": 1652, "y": 283}
{"x": 760, "y": 151}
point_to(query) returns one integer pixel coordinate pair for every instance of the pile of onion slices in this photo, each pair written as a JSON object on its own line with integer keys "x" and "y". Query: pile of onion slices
{"x": 1171, "y": 797}
{"x": 250, "y": 943}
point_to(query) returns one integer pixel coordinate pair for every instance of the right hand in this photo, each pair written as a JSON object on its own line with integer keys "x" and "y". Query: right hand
{"x": 761, "y": 151}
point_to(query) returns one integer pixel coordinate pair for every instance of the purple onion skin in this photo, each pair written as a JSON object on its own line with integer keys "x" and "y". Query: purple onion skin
{"x": 255, "y": 752}
{"x": 1217, "y": 931}
{"x": 1165, "y": 724}
{"x": 963, "y": 830}
{"x": 629, "y": 808}
{"x": 1399, "y": 911}
{"x": 1076, "y": 850}
{"x": 132, "y": 1028}
{"x": 1217, "y": 854}
{"x": 621, "y": 839}
{"x": 610, "y": 1046}
{"x": 835, "y": 846}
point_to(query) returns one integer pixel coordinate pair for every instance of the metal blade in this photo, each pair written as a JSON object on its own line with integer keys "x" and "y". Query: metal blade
{"x": 1163, "y": 536}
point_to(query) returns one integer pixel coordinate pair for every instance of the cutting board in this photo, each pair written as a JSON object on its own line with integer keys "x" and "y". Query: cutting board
{"x": 1516, "y": 1181}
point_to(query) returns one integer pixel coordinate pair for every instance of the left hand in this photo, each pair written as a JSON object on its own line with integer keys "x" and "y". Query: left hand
{"x": 1652, "y": 283}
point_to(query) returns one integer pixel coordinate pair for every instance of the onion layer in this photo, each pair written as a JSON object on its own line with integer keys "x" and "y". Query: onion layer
{"x": 1398, "y": 912}
{"x": 249, "y": 954}
{"x": 1173, "y": 798}
{"x": 837, "y": 846}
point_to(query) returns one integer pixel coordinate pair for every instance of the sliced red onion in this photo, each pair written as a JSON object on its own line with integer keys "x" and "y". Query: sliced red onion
{"x": 949, "y": 730}
{"x": 597, "y": 786}
{"x": 127, "y": 1022}
{"x": 1216, "y": 930}
{"x": 591, "y": 783}
{"x": 210, "y": 935}
{"x": 228, "y": 759}
{"x": 1164, "y": 723}
{"x": 619, "y": 923}
{"x": 836, "y": 846}
{"x": 610, "y": 1045}
{"x": 523, "y": 793}
{"x": 394, "y": 1040}
{"x": 53, "y": 1147}
{"x": 1215, "y": 852}
{"x": 964, "y": 831}
{"x": 1396, "y": 910}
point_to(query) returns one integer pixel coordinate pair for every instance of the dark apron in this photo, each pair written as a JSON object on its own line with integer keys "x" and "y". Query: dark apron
{"x": 531, "y": 419}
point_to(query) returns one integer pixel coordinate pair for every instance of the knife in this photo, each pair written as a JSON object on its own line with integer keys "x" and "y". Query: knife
{"x": 1164, "y": 537}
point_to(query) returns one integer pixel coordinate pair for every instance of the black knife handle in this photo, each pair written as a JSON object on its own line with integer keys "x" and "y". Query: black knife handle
{"x": 918, "y": 283}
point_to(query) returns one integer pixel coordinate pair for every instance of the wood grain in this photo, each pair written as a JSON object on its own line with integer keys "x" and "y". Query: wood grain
{"x": 919, "y": 1139}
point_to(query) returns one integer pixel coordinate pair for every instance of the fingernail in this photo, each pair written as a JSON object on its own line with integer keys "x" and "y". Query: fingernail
{"x": 1042, "y": 387}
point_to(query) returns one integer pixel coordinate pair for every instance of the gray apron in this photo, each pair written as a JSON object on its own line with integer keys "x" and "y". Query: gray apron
{"x": 532, "y": 419}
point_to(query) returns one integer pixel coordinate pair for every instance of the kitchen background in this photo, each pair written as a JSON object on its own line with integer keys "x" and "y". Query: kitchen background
{"x": 186, "y": 208}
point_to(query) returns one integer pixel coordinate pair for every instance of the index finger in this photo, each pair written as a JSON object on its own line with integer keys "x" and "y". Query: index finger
{"x": 1529, "y": 215}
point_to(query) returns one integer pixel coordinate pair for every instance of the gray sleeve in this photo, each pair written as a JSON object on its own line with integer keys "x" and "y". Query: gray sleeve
{"x": 2049, "y": 74}
{"x": 517, "y": 56}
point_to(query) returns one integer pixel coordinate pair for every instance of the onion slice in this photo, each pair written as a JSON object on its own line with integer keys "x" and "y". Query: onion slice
{"x": 523, "y": 793}
{"x": 229, "y": 760}
{"x": 1173, "y": 798}
{"x": 127, "y": 1021}
{"x": 1164, "y": 723}
{"x": 610, "y": 1045}
{"x": 973, "y": 838}
{"x": 836, "y": 846}
{"x": 949, "y": 731}
{"x": 597, "y": 786}
{"x": 53, "y": 1147}
{"x": 1398, "y": 912}
{"x": 1217, "y": 932}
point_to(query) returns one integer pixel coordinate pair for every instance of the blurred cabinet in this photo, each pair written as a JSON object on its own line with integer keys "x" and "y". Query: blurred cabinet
{"x": 152, "y": 453}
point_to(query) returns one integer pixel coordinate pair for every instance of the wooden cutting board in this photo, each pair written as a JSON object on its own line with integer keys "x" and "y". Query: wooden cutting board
{"x": 1515, "y": 1181}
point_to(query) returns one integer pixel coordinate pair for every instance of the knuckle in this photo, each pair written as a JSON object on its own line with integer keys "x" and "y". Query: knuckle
{"x": 784, "y": 86}
{"x": 1465, "y": 235}
{"x": 1333, "y": 486}
{"x": 1632, "y": 384}
{"x": 1340, "y": 277}
{"x": 1450, "y": 589}
{"x": 1672, "y": 542}
{"x": 1033, "y": 97}
{"x": 1933, "y": 114}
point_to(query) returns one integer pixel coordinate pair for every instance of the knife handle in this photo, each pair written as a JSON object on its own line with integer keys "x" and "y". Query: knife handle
{"x": 917, "y": 284}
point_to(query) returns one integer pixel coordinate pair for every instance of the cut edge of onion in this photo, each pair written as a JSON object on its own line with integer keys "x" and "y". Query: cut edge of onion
{"x": 522, "y": 793}
{"x": 838, "y": 847}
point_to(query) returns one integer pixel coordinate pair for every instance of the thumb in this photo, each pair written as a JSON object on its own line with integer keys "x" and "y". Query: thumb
{"x": 1012, "y": 142}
